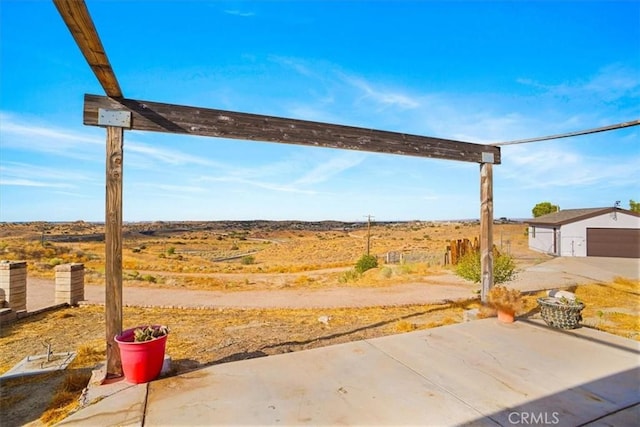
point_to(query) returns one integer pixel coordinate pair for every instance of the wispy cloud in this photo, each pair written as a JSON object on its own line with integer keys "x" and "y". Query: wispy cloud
{"x": 167, "y": 155}
{"x": 19, "y": 133}
{"x": 23, "y": 134}
{"x": 171, "y": 190}
{"x": 283, "y": 176}
{"x": 611, "y": 82}
{"x": 340, "y": 85}
{"x": 30, "y": 175}
{"x": 549, "y": 167}
{"x": 240, "y": 13}
{"x": 286, "y": 188}
{"x": 384, "y": 97}
{"x": 23, "y": 127}
{"x": 17, "y": 182}
{"x": 330, "y": 168}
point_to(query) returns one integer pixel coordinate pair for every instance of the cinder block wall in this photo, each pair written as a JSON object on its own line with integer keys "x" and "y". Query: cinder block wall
{"x": 69, "y": 283}
{"x": 13, "y": 284}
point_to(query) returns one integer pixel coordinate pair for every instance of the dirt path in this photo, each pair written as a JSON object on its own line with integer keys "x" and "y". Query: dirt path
{"x": 556, "y": 273}
{"x": 252, "y": 276}
{"x": 440, "y": 288}
{"x": 40, "y": 294}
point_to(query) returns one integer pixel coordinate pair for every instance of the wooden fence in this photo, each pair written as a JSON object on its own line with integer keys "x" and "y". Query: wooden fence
{"x": 461, "y": 247}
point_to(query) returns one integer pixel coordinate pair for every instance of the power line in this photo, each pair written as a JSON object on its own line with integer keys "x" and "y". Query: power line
{"x": 570, "y": 134}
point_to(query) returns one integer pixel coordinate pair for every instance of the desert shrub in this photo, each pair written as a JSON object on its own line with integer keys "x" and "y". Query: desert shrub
{"x": 468, "y": 267}
{"x": 55, "y": 261}
{"x": 504, "y": 268}
{"x": 171, "y": 250}
{"x": 148, "y": 278}
{"x": 303, "y": 280}
{"x": 135, "y": 275}
{"x": 366, "y": 262}
{"x": 349, "y": 276}
{"x": 386, "y": 272}
{"x": 247, "y": 260}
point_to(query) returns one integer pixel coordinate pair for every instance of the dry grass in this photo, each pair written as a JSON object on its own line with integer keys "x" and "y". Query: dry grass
{"x": 612, "y": 307}
{"x": 76, "y": 378}
{"x": 202, "y": 337}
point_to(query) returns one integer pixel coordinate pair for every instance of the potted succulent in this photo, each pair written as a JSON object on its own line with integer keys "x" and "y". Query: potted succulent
{"x": 563, "y": 312}
{"x": 505, "y": 301}
{"x": 142, "y": 352}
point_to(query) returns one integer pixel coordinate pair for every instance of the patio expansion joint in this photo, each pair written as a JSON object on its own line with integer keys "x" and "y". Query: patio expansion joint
{"x": 444, "y": 389}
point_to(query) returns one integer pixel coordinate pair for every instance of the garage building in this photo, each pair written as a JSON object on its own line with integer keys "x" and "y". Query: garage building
{"x": 601, "y": 232}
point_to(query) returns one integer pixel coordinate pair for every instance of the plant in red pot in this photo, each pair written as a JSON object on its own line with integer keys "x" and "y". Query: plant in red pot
{"x": 506, "y": 301}
{"x": 142, "y": 352}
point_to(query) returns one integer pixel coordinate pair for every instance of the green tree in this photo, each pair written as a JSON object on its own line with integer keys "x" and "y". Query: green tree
{"x": 634, "y": 206}
{"x": 544, "y": 208}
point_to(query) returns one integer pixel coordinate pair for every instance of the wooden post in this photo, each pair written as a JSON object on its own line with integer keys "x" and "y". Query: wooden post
{"x": 113, "y": 248}
{"x": 368, "y": 235}
{"x": 486, "y": 229}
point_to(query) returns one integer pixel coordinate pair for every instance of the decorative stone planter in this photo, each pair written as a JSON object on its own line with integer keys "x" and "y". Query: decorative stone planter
{"x": 560, "y": 313}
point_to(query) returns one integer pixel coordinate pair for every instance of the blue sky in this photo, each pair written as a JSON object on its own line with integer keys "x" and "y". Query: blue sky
{"x": 474, "y": 71}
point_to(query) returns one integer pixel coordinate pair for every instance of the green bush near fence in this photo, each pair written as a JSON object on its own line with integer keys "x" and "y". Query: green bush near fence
{"x": 504, "y": 268}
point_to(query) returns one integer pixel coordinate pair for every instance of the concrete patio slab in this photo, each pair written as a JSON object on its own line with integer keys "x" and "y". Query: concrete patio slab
{"x": 477, "y": 373}
{"x": 480, "y": 373}
{"x": 497, "y": 368}
{"x": 348, "y": 384}
{"x": 124, "y": 408}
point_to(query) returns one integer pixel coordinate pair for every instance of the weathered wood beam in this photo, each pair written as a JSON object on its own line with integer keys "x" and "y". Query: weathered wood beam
{"x": 170, "y": 118}
{"x": 486, "y": 229}
{"x": 76, "y": 15}
{"x": 113, "y": 248}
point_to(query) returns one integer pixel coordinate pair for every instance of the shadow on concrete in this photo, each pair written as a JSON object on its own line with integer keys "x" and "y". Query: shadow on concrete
{"x": 580, "y": 336}
{"x": 604, "y": 395}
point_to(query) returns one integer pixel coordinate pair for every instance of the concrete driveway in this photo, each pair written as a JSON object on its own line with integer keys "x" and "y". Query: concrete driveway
{"x": 569, "y": 271}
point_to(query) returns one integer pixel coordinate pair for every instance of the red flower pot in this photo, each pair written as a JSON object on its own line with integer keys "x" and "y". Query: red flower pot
{"x": 141, "y": 361}
{"x": 505, "y": 316}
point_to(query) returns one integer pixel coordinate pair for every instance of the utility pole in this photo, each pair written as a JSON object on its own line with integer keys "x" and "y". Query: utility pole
{"x": 368, "y": 233}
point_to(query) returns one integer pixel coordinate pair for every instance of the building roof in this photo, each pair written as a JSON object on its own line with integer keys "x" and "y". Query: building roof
{"x": 568, "y": 216}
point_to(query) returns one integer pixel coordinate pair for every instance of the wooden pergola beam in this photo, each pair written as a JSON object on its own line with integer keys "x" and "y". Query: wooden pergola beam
{"x": 76, "y": 15}
{"x": 179, "y": 119}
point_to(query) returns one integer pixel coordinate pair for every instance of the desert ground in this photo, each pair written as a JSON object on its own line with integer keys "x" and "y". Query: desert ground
{"x": 235, "y": 255}
{"x": 232, "y": 257}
